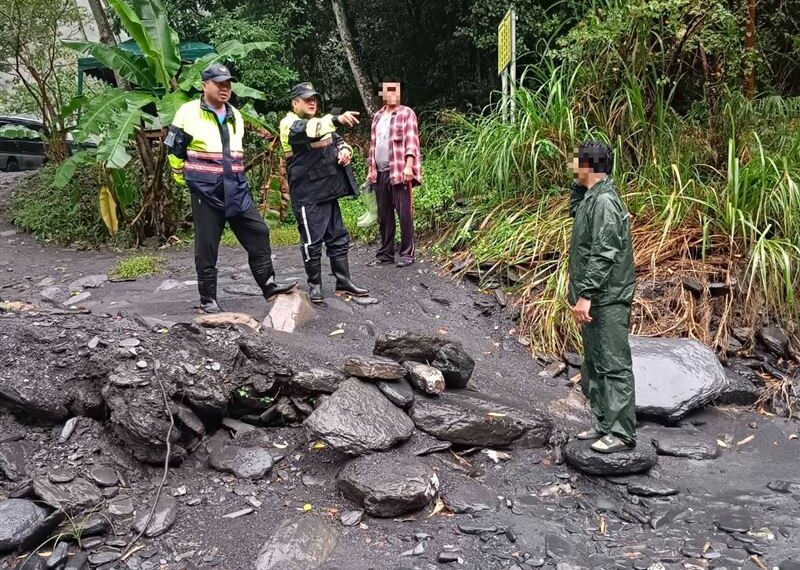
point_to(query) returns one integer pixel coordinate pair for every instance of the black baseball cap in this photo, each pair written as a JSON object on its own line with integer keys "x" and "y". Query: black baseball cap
{"x": 216, "y": 72}
{"x": 304, "y": 91}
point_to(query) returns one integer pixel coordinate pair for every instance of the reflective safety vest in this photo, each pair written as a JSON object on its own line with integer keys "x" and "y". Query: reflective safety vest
{"x": 312, "y": 147}
{"x": 207, "y": 156}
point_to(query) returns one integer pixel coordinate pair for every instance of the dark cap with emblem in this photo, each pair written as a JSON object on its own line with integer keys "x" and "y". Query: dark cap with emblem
{"x": 216, "y": 72}
{"x": 304, "y": 91}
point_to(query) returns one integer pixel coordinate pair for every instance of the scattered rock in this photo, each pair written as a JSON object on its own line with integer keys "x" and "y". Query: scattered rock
{"x": 299, "y": 544}
{"x": 12, "y": 461}
{"x": 573, "y": 359}
{"x": 775, "y": 340}
{"x": 163, "y": 518}
{"x": 687, "y": 446}
{"x": 364, "y": 301}
{"x": 243, "y": 289}
{"x": 731, "y": 521}
{"x": 104, "y": 476}
{"x": 651, "y": 488}
{"x": 78, "y": 562}
{"x": 455, "y": 364}
{"x": 784, "y": 486}
{"x": 54, "y": 294}
{"x": 557, "y": 547}
{"x": 580, "y": 455}
{"x": 77, "y": 299}
{"x": 789, "y": 565}
{"x": 77, "y": 495}
{"x": 674, "y": 376}
{"x": 244, "y": 462}
{"x": 465, "y": 495}
{"x": 553, "y": 369}
{"x": 476, "y": 420}
{"x": 373, "y": 367}
{"x": 402, "y": 345}
{"x": 421, "y": 443}
{"x": 399, "y": 392}
{"x": 227, "y": 320}
{"x": 88, "y": 282}
{"x": 388, "y": 484}
{"x": 425, "y": 378}
{"x": 20, "y": 518}
{"x": 121, "y": 506}
{"x": 239, "y": 428}
{"x": 694, "y": 286}
{"x": 318, "y": 380}
{"x": 290, "y": 312}
{"x": 67, "y": 430}
{"x": 740, "y": 392}
{"x": 59, "y": 556}
{"x": 188, "y": 418}
{"x": 358, "y": 419}
{"x": 351, "y": 518}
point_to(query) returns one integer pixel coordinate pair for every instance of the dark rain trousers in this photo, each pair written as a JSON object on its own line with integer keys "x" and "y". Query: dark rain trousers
{"x": 393, "y": 198}
{"x": 607, "y": 374}
{"x": 249, "y": 228}
{"x": 319, "y": 224}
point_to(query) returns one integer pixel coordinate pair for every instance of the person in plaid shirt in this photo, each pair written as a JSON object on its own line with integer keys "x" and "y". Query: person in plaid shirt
{"x": 393, "y": 167}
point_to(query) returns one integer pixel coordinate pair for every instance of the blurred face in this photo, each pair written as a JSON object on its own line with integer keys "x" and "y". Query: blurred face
{"x": 580, "y": 173}
{"x": 217, "y": 93}
{"x": 306, "y": 107}
{"x": 390, "y": 93}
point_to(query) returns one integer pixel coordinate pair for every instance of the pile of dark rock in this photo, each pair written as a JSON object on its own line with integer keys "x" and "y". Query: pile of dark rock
{"x": 131, "y": 389}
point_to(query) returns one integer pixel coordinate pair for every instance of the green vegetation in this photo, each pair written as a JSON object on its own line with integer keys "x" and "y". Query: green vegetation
{"x": 66, "y": 216}
{"x": 716, "y": 199}
{"x": 138, "y": 266}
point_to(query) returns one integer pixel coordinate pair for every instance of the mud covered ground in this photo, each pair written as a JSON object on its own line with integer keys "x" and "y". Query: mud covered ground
{"x": 729, "y": 511}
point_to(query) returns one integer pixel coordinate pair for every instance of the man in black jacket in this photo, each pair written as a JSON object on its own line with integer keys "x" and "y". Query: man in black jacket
{"x": 319, "y": 173}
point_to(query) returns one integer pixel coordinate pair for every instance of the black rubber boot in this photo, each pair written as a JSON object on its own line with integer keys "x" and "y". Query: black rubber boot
{"x": 208, "y": 296}
{"x": 314, "y": 274}
{"x": 272, "y": 288}
{"x": 341, "y": 270}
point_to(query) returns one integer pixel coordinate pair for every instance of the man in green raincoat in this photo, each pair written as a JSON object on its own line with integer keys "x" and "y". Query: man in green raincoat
{"x": 601, "y": 283}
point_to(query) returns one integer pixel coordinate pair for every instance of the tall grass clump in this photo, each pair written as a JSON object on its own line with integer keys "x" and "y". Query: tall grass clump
{"x": 713, "y": 200}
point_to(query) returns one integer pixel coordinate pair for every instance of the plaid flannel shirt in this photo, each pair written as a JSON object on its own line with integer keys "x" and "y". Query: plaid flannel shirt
{"x": 403, "y": 142}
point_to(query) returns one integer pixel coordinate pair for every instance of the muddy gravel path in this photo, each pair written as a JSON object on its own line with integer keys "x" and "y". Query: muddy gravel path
{"x": 727, "y": 496}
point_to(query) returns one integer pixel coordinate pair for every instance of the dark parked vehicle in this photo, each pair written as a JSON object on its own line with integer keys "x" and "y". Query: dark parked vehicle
{"x": 22, "y": 153}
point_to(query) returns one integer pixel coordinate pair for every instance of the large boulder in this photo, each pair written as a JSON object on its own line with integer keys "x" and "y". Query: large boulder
{"x": 388, "y": 484}
{"x": 455, "y": 364}
{"x": 674, "y": 376}
{"x": 358, "y": 419}
{"x": 300, "y": 544}
{"x": 19, "y": 519}
{"x": 580, "y": 455}
{"x": 403, "y": 345}
{"x": 478, "y": 420}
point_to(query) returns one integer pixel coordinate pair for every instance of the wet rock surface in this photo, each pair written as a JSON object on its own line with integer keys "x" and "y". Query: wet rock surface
{"x": 425, "y": 378}
{"x": 373, "y": 368}
{"x": 455, "y": 364}
{"x": 402, "y": 345}
{"x": 19, "y": 519}
{"x": 297, "y": 545}
{"x": 245, "y": 463}
{"x": 684, "y": 445}
{"x": 465, "y": 495}
{"x": 674, "y": 376}
{"x": 580, "y": 455}
{"x": 475, "y": 420}
{"x": 388, "y": 484}
{"x": 164, "y": 515}
{"x": 358, "y": 419}
{"x": 399, "y": 392}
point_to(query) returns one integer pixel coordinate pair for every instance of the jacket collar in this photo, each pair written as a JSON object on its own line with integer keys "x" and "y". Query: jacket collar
{"x": 228, "y": 108}
{"x": 598, "y": 187}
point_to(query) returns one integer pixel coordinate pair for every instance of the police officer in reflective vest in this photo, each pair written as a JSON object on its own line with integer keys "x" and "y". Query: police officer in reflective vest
{"x": 318, "y": 168}
{"x": 206, "y": 154}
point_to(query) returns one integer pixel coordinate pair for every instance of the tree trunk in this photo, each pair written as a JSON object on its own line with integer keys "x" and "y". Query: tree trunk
{"x": 363, "y": 85}
{"x": 750, "y": 51}
{"x": 106, "y": 35}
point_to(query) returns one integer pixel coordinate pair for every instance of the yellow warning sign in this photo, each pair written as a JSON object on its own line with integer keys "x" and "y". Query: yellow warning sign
{"x": 504, "y": 43}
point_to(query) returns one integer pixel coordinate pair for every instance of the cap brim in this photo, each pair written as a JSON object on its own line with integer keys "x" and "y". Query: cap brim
{"x": 220, "y": 78}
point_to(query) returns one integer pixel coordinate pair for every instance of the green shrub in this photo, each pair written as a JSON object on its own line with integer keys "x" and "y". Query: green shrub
{"x": 67, "y": 215}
